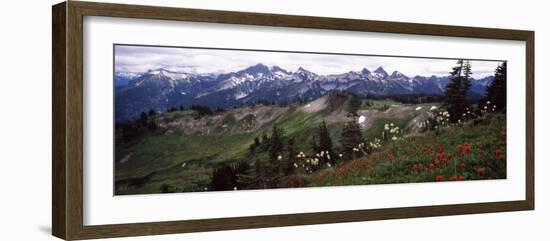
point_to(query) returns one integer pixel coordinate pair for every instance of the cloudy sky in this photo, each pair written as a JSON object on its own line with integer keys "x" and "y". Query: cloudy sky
{"x": 195, "y": 60}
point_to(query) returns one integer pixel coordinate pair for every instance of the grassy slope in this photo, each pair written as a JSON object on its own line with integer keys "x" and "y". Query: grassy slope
{"x": 484, "y": 137}
{"x": 160, "y": 156}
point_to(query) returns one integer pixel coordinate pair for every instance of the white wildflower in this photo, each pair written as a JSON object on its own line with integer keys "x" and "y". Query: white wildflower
{"x": 234, "y": 188}
{"x": 433, "y": 107}
{"x": 279, "y": 157}
{"x": 361, "y": 119}
{"x": 418, "y": 108}
{"x": 394, "y": 138}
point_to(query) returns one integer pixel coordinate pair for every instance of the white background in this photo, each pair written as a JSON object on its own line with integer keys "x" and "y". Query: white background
{"x": 100, "y": 207}
{"x": 25, "y": 124}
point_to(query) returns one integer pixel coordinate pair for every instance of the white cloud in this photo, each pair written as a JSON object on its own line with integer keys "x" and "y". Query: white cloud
{"x": 142, "y": 58}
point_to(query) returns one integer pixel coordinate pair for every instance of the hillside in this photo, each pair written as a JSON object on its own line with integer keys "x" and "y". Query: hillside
{"x": 185, "y": 148}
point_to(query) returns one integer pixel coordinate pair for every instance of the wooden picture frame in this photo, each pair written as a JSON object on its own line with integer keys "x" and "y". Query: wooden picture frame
{"x": 67, "y": 152}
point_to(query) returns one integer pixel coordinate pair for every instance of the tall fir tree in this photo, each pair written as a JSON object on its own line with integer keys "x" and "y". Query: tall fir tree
{"x": 276, "y": 150}
{"x": 292, "y": 152}
{"x": 325, "y": 144}
{"x": 351, "y": 138}
{"x": 456, "y": 91}
{"x": 496, "y": 92}
{"x": 465, "y": 87}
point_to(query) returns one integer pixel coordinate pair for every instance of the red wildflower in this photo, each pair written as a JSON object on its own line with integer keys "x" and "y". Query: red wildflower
{"x": 431, "y": 166}
{"x": 459, "y": 148}
{"x": 461, "y": 178}
{"x": 467, "y": 149}
{"x": 480, "y": 171}
{"x": 389, "y": 157}
{"x": 415, "y": 168}
{"x": 453, "y": 178}
{"x": 462, "y": 165}
{"x": 500, "y": 154}
{"x": 440, "y": 178}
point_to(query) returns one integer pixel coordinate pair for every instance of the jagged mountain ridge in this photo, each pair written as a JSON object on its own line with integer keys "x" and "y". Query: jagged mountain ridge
{"x": 160, "y": 89}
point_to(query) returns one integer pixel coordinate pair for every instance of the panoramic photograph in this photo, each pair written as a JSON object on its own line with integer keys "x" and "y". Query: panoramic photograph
{"x": 190, "y": 119}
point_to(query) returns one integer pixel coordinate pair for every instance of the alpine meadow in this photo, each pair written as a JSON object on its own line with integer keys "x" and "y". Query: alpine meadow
{"x": 204, "y": 119}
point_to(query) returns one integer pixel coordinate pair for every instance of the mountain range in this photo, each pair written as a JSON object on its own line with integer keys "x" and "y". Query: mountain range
{"x": 160, "y": 89}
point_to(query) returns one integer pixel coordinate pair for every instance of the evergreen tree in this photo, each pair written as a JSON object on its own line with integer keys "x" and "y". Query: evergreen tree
{"x": 325, "y": 144}
{"x": 351, "y": 138}
{"x": 276, "y": 149}
{"x": 467, "y": 72}
{"x": 456, "y": 91}
{"x": 259, "y": 170}
{"x": 496, "y": 91}
{"x": 291, "y": 156}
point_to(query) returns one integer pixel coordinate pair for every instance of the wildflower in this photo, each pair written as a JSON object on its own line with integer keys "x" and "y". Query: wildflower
{"x": 279, "y": 157}
{"x": 499, "y": 154}
{"x": 440, "y": 178}
{"x": 467, "y": 149}
{"x": 462, "y": 165}
{"x": 394, "y": 138}
{"x": 340, "y": 155}
{"x": 453, "y": 178}
{"x": 461, "y": 178}
{"x": 389, "y": 157}
{"x": 431, "y": 166}
{"x": 488, "y": 102}
{"x": 328, "y": 164}
{"x": 206, "y": 189}
{"x": 234, "y": 188}
{"x": 386, "y": 127}
{"x": 433, "y": 107}
{"x": 418, "y": 108}
{"x": 295, "y": 165}
{"x": 480, "y": 171}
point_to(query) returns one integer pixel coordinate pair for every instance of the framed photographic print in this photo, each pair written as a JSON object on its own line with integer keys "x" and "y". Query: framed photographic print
{"x": 170, "y": 120}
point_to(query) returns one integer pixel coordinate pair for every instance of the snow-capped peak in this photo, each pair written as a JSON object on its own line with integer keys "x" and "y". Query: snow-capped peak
{"x": 167, "y": 73}
{"x": 380, "y": 72}
{"x": 396, "y": 74}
